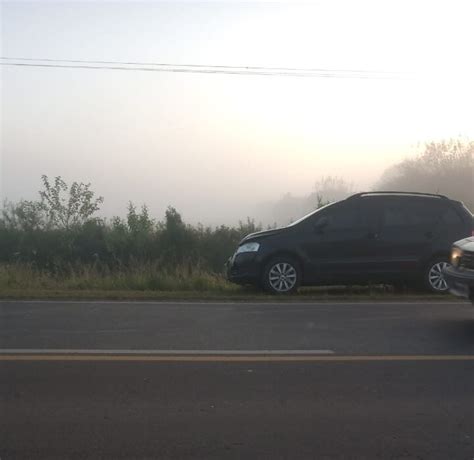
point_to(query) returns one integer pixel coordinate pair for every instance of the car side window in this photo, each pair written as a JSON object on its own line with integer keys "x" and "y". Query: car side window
{"x": 395, "y": 216}
{"x": 370, "y": 213}
{"x": 404, "y": 213}
{"x": 450, "y": 217}
{"x": 341, "y": 218}
{"x": 425, "y": 214}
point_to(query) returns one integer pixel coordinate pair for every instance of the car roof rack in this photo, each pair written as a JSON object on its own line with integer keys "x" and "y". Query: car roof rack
{"x": 399, "y": 193}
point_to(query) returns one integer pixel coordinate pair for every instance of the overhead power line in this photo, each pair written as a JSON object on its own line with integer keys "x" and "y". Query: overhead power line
{"x": 81, "y": 61}
{"x": 197, "y": 68}
{"x": 206, "y": 71}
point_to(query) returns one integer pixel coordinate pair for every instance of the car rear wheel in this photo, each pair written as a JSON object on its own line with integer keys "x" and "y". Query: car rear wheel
{"x": 281, "y": 276}
{"x": 434, "y": 277}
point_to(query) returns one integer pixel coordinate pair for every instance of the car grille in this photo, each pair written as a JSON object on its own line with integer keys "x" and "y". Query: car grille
{"x": 467, "y": 260}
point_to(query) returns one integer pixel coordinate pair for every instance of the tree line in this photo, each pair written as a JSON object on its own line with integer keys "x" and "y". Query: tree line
{"x": 445, "y": 167}
{"x": 59, "y": 232}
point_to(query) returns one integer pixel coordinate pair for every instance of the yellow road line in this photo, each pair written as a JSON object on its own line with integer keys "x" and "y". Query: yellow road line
{"x": 234, "y": 359}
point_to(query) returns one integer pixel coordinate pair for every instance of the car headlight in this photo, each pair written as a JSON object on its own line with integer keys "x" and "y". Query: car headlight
{"x": 456, "y": 255}
{"x": 248, "y": 247}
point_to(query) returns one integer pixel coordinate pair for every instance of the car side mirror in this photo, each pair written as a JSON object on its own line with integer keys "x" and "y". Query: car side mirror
{"x": 320, "y": 225}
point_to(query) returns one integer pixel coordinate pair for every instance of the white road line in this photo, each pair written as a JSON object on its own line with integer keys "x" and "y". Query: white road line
{"x": 220, "y": 303}
{"x": 54, "y": 351}
{"x": 330, "y": 358}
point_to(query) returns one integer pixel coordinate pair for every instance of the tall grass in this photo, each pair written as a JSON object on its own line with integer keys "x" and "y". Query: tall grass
{"x": 149, "y": 277}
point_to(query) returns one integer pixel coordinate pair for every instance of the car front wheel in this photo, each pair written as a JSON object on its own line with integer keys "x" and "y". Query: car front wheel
{"x": 282, "y": 276}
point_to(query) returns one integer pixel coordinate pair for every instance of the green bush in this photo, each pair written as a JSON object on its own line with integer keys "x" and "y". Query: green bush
{"x": 56, "y": 243}
{"x": 119, "y": 244}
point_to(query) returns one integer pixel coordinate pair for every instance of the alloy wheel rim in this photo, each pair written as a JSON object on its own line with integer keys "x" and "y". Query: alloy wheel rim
{"x": 436, "y": 277}
{"x": 282, "y": 277}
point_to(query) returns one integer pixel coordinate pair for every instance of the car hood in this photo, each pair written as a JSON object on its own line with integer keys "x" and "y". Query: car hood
{"x": 263, "y": 234}
{"x": 466, "y": 245}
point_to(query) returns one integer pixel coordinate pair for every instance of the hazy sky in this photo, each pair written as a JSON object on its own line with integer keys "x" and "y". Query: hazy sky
{"x": 214, "y": 146}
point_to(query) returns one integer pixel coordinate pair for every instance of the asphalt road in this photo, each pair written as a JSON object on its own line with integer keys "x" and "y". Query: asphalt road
{"x": 277, "y": 381}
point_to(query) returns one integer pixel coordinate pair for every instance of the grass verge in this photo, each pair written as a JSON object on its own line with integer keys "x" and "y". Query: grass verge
{"x": 23, "y": 282}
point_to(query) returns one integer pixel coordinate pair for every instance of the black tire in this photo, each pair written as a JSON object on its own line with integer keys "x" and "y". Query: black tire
{"x": 433, "y": 279}
{"x": 281, "y": 276}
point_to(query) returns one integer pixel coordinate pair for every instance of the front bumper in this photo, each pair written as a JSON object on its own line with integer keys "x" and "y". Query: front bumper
{"x": 460, "y": 282}
{"x": 243, "y": 268}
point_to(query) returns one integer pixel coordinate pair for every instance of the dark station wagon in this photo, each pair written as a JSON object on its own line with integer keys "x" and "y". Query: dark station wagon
{"x": 375, "y": 237}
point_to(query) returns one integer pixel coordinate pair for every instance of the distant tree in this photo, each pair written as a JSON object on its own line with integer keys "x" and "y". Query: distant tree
{"x": 445, "y": 167}
{"x": 67, "y": 207}
{"x": 288, "y": 208}
{"x": 173, "y": 220}
{"x": 25, "y": 215}
{"x": 177, "y": 239}
{"x": 326, "y": 190}
{"x": 139, "y": 222}
{"x": 246, "y": 227}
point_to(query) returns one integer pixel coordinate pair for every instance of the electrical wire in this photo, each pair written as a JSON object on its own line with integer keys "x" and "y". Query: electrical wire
{"x": 198, "y": 68}
{"x": 161, "y": 64}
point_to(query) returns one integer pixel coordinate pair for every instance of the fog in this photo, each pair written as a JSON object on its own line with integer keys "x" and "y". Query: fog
{"x": 219, "y": 147}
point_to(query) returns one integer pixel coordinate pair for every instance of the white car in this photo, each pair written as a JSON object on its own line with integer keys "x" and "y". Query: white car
{"x": 460, "y": 275}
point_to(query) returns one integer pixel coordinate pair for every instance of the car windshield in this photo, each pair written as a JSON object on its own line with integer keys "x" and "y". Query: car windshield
{"x": 308, "y": 216}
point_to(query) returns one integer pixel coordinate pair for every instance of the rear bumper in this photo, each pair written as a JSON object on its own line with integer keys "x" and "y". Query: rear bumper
{"x": 460, "y": 282}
